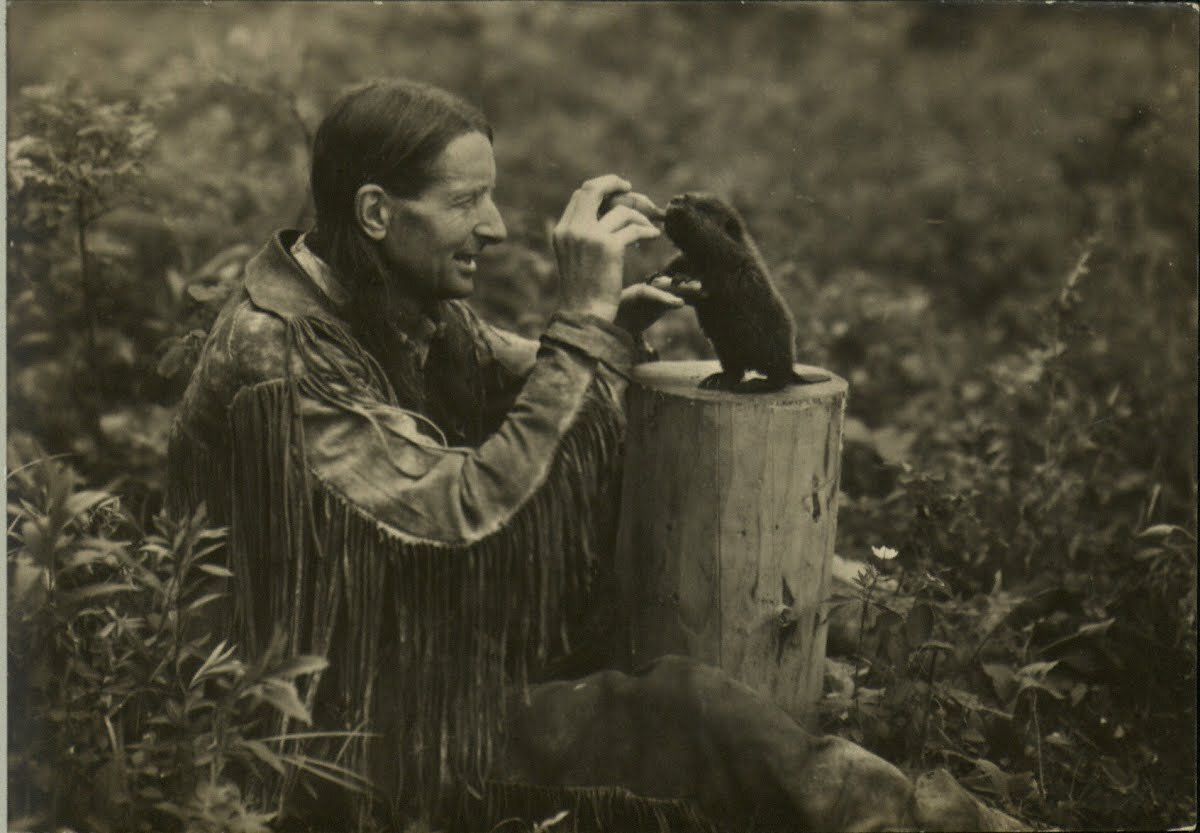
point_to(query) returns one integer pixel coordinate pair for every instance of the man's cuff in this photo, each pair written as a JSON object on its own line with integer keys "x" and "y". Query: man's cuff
{"x": 593, "y": 337}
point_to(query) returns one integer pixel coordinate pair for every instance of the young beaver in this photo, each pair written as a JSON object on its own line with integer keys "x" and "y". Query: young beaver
{"x": 740, "y": 311}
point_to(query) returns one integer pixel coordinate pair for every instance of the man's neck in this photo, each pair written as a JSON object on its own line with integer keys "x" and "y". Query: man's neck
{"x": 417, "y": 321}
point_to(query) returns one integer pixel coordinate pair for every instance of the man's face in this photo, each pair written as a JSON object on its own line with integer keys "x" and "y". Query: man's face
{"x": 432, "y": 239}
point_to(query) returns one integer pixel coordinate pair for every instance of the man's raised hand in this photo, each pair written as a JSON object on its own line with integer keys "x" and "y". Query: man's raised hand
{"x": 589, "y": 244}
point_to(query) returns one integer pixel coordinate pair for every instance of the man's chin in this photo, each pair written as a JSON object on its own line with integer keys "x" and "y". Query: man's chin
{"x": 458, "y": 289}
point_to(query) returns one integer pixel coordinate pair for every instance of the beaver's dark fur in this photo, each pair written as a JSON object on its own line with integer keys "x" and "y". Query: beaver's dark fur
{"x": 739, "y": 309}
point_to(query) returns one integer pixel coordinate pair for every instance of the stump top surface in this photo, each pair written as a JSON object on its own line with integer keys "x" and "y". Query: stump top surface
{"x": 681, "y": 378}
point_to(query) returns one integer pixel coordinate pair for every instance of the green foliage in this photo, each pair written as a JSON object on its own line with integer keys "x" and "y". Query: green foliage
{"x": 127, "y": 715}
{"x": 73, "y": 158}
{"x": 75, "y": 177}
{"x": 1037, "y": 560}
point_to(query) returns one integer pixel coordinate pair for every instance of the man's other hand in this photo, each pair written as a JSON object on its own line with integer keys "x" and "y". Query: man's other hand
{"x": 642, "y": 304}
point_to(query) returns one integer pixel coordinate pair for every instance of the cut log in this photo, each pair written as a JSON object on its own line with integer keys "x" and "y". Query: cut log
{"x": 728, "y": 517}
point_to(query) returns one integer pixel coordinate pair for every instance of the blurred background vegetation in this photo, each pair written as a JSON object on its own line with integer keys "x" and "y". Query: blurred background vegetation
{"x": 984, "y": 217}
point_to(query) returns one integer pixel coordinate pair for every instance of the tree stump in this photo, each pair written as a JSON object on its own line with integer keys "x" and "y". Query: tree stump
{"x": 728, "y": 516}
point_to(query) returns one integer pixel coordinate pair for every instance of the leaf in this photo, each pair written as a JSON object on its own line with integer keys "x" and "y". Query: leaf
{"x": 1118, "y": 778}
{"x": 203, "y": 294}
{"x": 173, "y": 809}
{"x": 143, "y": 573}
{"x": 330, "y": 772}
{"x": 999, "y": 605}
{"x": 175, "y": 360}
{"x": 219, "y": 654}
{"x": 1036, "y": 670}
{"x": 919, "y": 624}
{"x": 108, "y": 546}
{"x": 996, "y": 778}
{"x": 85, "y": 501}
{"x": 261, "y": 751}
{"x": 215, "y": 570}
{"x": 82, "y": 558}
{"x": 1093, "y": 628}
{"x": 546, "y": 824}
{"x": 203, "y": 552}
{"x": 1058, "y": 739}
{"x": 1157, "y": 531}
{"x": 971, "y": 702}
{"x": 894, "y": 645}
{"x": 305, "y": 664}
{"x": 344, "y": 734}
{"x": 95, "y": 591}
{"x": 282, "y": 697}
{"x": 29, "y": 584}
{"x": 203, "y": 600}
{"x": 1004, "y": 681}
{"x": 215, "y": 671}
{"x": 249, "y": 822}
{"x": 936, "y": 645}
{"x": 1033, "y": 676}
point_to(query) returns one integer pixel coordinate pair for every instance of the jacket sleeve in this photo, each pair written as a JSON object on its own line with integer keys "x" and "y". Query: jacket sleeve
{"x": 386, "y": 463}
{"x": 515, "y": 355}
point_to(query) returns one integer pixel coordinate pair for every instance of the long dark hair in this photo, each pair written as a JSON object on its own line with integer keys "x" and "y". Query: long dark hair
{"x": 389, "y": 133}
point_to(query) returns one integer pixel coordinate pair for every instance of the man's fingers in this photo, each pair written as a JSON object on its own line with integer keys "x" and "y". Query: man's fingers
{"x": 632, "y": 199}
{"x": 641, "y": 305}
{"x": 635, "y": 232}
{"x": 647, "y": 293}
{"x": 621, "y": 216}
{"x": 585, "y": 203}
{"x": 606, "y": 184}
{"x": 687, "y": 289}
{"x": 645, "y": 205}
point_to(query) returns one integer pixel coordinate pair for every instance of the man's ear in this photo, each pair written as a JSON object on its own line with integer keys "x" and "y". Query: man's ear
{"x": 372, "y": 210}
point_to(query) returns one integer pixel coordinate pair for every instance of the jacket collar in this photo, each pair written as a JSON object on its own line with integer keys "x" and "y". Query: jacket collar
{"x": 278, "y": 284}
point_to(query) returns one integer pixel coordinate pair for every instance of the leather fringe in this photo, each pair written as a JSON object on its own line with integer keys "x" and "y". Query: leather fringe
{"x": 424, "y": 641}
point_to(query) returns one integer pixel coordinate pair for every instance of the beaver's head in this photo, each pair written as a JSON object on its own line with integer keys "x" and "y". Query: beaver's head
{"x": 692, "y": 219}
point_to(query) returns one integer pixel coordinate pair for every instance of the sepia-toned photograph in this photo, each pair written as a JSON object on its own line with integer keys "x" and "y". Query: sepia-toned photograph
{"x": 551, "y": 417}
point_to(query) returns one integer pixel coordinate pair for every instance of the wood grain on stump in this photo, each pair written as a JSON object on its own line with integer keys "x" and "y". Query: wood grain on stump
{"x": 728, "y": 517}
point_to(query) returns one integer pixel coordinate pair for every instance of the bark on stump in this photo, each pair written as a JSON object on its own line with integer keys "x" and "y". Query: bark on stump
{"x": 729, "y": 510}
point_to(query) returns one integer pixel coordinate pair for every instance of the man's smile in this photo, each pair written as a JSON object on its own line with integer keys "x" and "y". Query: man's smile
{"x": 466, "y": 262}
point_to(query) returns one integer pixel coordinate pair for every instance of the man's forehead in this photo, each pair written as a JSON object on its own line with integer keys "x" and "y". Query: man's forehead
{"x": 467, "y": 160}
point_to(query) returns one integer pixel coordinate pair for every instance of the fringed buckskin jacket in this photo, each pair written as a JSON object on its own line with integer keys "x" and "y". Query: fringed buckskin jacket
{"x": 432, "y": 571}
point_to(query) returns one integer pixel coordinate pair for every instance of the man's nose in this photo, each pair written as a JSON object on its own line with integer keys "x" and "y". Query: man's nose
{"x": 490, "y": 227}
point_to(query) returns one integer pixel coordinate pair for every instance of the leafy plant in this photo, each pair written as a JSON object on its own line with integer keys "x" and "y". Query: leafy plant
{"x": 73, "y": 160}
{"x": 132, "y": 715}
{"x": 1026, "y": 598}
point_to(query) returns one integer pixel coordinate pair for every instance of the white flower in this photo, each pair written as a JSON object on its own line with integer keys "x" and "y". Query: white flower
{"x": 884, "y": 553}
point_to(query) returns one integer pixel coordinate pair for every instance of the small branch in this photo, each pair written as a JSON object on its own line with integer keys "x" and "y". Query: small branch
{"x": 294, "y": 111}
{"x": 91, "y": 362}
{"x": 866, "y": 587}
{"x": 1037, "y": 734}
{"x": 928, "y": 705}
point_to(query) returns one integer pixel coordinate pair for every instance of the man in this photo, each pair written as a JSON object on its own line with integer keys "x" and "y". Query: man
{"x": 422, "y": 498}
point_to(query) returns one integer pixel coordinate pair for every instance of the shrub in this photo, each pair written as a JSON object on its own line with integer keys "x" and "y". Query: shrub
{"x": 127, "y": 711}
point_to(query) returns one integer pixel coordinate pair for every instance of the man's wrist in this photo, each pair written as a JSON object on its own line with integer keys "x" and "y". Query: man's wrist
{"x": 604, "y": 310}
{"x": 593, "y": 337}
